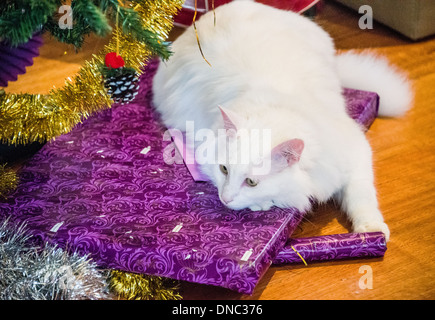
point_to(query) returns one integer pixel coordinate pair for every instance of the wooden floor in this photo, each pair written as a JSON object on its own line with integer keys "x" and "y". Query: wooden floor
{"x": 404, "y": 161}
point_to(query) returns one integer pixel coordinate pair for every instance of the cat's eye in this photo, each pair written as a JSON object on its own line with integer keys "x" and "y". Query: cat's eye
{"x": 250, "y": 182}
{"x": 223, "y": 169}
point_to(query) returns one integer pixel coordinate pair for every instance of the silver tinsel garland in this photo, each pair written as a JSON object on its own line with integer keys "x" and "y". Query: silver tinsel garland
{"x": 32, "y": 272}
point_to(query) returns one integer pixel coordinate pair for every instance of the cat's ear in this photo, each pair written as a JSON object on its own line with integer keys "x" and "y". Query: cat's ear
{"x": 229, "y": 121}
{"x": 287, "y": 153}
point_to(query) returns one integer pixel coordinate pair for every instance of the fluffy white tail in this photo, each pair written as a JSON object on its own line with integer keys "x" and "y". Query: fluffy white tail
{"x": 369, "y": 72}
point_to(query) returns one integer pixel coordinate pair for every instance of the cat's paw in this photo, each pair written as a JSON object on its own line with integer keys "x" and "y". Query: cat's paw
{"x": 373, "y": 226}
{"x": 263, "y": 207}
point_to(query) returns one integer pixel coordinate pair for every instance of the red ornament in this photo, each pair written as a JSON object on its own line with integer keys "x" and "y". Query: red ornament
{"x": 114, "y": 60}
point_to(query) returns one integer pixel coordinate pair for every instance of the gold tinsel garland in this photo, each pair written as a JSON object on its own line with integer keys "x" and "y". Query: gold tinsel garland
{"x": 133, "y": 286}
{"x": 26, "y": 118}
{"x": 8, "y": 181}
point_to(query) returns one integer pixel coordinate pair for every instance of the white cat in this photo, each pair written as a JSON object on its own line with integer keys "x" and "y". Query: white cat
{"x": 278, "y": 71}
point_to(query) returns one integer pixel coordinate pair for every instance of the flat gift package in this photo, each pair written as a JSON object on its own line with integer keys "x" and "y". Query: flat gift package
{"x": 185, "y": 16}
{"x": 105, "y": 189}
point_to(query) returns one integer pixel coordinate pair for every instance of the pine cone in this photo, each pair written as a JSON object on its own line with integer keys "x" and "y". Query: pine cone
{"x": 123, "y": 87}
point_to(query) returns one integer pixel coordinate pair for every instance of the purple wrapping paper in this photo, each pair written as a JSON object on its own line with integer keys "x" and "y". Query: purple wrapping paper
{"x": 362, "y": 106}
{"x": 333, "y": 247}
{"x": 104, "y": 189}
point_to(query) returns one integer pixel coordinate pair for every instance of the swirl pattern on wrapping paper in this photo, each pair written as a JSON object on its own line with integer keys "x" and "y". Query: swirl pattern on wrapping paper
{"x": 362, "y": 106}
{"x": 92, "y": 190}
{"x": 333, "y": 247}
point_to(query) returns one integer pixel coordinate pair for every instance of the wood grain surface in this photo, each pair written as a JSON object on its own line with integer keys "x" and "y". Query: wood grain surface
{"x": 404, "y": 162}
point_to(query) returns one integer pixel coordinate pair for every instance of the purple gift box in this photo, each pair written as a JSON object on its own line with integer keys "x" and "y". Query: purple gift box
{"x": 104, "y": 189}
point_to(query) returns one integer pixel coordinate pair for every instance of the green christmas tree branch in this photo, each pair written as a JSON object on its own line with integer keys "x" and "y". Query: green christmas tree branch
{"x": 74, "y": 36}
{"x": 20, "y": 19}
{"x": 87, "y": 14}
{"x": 130, "y": 23}
{"x": 87, "y": 18}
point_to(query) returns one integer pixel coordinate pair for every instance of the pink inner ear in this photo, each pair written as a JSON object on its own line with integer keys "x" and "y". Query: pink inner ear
{"x": 290, "y": 151}
{"x": 228, "y": 123}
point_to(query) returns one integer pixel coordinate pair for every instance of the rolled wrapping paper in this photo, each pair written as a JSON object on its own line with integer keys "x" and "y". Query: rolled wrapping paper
{"x": 332, "y": 247}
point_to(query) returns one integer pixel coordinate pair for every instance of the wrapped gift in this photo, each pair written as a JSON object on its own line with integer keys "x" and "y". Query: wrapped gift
{"x": 332, "y": 247}
{"x": 104, "y": 189}
{"x": 362, "y": 106}
{"x": 185, "y": 16}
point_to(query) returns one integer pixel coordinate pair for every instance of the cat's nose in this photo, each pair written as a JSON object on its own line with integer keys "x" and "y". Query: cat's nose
{"x": 226, "y": 198}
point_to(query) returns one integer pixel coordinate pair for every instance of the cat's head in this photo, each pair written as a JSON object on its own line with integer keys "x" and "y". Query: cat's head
{"x": 251, "y": 177}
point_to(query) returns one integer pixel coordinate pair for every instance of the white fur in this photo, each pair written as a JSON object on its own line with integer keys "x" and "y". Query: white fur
{"x": 273, "y": 70}
{"x": 366, "y": 71}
